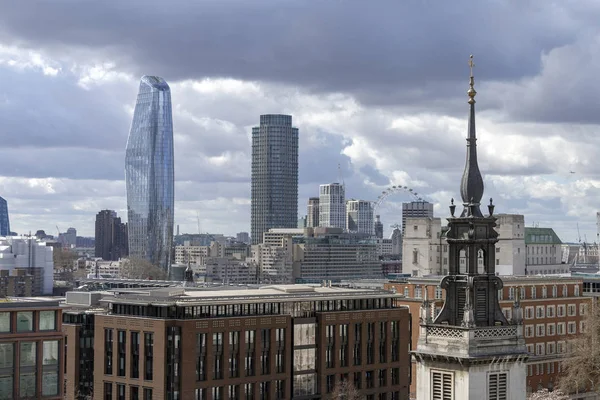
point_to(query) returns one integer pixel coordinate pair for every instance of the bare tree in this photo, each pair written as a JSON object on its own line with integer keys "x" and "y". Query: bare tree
{"x": 582, "y": 363}
{"x": 545, "y": 394}
{"x": 137, "y": 268}
{"x": 346, "y": 390}
{"x": 82, "y": 396}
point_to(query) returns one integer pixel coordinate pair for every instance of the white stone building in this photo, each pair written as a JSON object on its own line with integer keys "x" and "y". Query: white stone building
{"x": 332, "y": 206}
{"x": 26, "y": 252}
{"x": 359, "y": 217}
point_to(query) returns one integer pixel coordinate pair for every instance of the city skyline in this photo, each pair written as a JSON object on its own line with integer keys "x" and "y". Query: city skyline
{"x": 392, "y": 125}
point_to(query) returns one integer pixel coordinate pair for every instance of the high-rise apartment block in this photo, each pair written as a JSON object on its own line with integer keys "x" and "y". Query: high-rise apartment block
{"x": 111, "y": 236}
{"x": 274, "y": 342}
{"x": 332, "y": 206}
{"x": 312, "y": 212}
{"x": 31, "y": 349}
{"x": 274, "y": 192}
{"x": 4, "y": 220}
{"x": 359, "y": 217}
{"x": 416, "y": 209}
{"x": 149, "y": 174}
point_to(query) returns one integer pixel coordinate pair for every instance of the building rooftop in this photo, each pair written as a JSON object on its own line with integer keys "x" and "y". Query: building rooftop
{"x": 541, "y": 236}
{"x": 30, "y": 302}
{"x": 227, "y": 295}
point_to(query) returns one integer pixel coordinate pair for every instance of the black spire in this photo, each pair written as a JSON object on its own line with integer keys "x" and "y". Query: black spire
{"x": 471, "y": 185}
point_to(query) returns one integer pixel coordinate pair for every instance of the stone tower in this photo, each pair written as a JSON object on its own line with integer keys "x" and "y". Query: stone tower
{"x": 470, "y": 350}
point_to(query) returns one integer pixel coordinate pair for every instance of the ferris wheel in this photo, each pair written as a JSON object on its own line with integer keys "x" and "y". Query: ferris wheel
{"x": 393, "y": 190}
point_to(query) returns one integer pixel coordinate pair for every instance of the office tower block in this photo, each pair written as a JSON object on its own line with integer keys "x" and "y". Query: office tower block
{"x": 274, "y": 190}
{"x": 149, "y": 174}
{"x": 111, "y": 236}
{"x": 416, "y": 209}
{"x": 312, "y": 213}
{"x": 332, "y": 206}
{"x": 359, "y": 216}
{"x": 4, "y": 220}
{"x": 378, "y": 227}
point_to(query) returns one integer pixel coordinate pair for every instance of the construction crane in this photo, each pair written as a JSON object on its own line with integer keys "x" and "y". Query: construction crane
{"x": 578, "y": 234}
{"x": 396, "y": 226}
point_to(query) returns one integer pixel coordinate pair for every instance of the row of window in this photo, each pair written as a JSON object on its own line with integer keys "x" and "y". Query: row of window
{"x": 552, "y": 311}
{"x": 541, "y": 330}
{"x": 550, "y": 348}
{"x": 549, "y": 367}
{"x": 27, "y": 321}
{"x": 442, "y": 385}
{"x": 246, "y": 391}
{"x": 135, "y": 393}
{"x": 134, "y": 354}
{"x": 533, "y": 292}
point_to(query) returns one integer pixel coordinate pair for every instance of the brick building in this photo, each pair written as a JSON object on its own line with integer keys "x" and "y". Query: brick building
{"x": 31, "y": 349}
{"x": 275, "y": 342}
{"x": 553, "y": 311}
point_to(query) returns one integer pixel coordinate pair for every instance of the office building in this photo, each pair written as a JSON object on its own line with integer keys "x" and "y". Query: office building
{"x": 274, "y": 342}
{"x": 544, "y": 251}
{"x": 416, "y": 209}
{"x": 4, "y": 219}
{"x": 243, "y": 237}
{"x": 31, "y": 349}
{"x": 312, "y": 212}
{"x": 359, "y": 217}
{"x": 554, "y": 314}
{"x": 149, "y": 174}
{"x": 332, "y": 206}
{"x": 111, "y": 236}
{"x": 378, "y": 227}
{"x": 274, "y": 191}
{"x": 24, "y": 253}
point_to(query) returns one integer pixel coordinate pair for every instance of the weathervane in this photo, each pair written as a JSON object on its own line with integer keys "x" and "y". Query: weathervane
{"x": 471, "y": 64}
{"x": 471, "y": 92}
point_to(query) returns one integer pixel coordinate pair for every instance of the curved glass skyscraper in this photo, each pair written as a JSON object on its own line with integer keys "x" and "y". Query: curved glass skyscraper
{"x": 149, "y": 174}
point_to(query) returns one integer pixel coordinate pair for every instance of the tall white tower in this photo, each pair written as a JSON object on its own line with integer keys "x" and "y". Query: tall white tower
{"x": 332, "y": 205}
{"x": 470, "y": 350}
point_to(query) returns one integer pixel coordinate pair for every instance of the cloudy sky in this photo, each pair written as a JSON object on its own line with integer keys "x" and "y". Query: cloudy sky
{"x": 377, "y": 87}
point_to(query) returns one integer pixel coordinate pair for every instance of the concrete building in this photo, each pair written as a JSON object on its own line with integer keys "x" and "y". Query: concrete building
{"x": 16, "y": 283}
{"x": 332, "y": 206}
{"x": 416, "y": 209}
{"x": 69, "y": 238}
{"x": 544, "y": 252}
{"x": 4, "y": 218}
{"x": 424, "y": 250}
{"x": 275, "y": 342}
{"x": 312, "y": 213}
{"x": 31, "y": 349}
{"x": 359, "y": 217}
{"x": 510, "y": 249}
{"x": 243, "y": 237}
{"x": 111, "y": 236}
{"x": 274, "y": 192}
{"x": 32, "y": 255}
{"x": 554, "y": 311}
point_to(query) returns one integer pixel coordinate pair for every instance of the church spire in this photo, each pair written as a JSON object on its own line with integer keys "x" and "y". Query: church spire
{"x": 471, "y": 186}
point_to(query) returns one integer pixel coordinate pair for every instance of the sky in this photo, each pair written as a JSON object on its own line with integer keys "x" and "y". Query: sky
{"x": 377, "y": 88}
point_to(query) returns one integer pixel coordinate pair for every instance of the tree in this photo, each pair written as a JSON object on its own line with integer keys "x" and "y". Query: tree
{"x": 345, "y": 390}
{"x": 137, "y": 268}
{"x": 582, "y": 363}
{"x": 545, "y": 394}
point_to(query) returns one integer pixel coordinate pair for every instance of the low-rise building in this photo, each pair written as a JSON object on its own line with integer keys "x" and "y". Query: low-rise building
{"x": 31, "y": 349}
{"x": 544, "y": 252}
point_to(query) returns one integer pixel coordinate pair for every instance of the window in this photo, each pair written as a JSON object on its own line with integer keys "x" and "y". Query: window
{"x": 560, "y": 328}
{"x": 405, "y": 292}
{"x": 550, "y": 347}
{"x": 576, "y": 288}
{"x": 121, "y": 342}
{"x": 539, "y": 311}
{"x": 108, "y": 390}
{"x": 583, "y": 309}
{"x": 529, "y": 312}
{"x": 5, "y": 322}
{"x": 147, "y": 394}
{"x": 120, "y": 392}
{"x": 134, "y": 393}
{"x": 544, "y": 292}
{"x": 550, "y": 312}
{"x": 28, "y": 352}
{"x": 438, "y": 292}
{"x": 560, "y": 310}
{"x": 550, "y": 329}
{"x": 564, "y": 291}
{"x": 529, "y": 331}
{"x": 135, "y": 356}
{"x": 522, "y": 290}
{"x": 497, "y": 386}
{"x": 554, "y": 291}
{"x": 442, "y": 385}
{"x": 581, "y": 326}
{"x": 540, "y": 349}
{"x": 47, "y": 320}
{"x": 418, "y": 292}
{"x": 511, "y": 293}
{"x": 25, "y": 321}
{"x": 201, "y": 356}
{"x": 571, "y": 310}
{"x": 571, "y": 328}
{"x": 108, "y": 348}
{"x": 148, "y": 358}
{"x": 507, "y": 313}
{"x": 533, "y": 292}
{"x": 540, "y": 330}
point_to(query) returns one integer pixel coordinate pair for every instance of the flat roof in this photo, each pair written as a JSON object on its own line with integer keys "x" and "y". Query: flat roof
{"x": 30, "y": 302}
{"x": 279, "y": 293}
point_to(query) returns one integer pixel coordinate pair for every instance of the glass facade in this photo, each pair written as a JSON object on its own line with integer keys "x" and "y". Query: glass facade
{"x": 4, "y": 222}
{"x": 274, "y": 190}
{"x": 149, "y": 174}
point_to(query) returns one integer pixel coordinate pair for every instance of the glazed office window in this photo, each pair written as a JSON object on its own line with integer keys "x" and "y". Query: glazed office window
{"x": 5, "y": 322}
{"x": 47, "y": 320}
{"x": 25, "y": 321}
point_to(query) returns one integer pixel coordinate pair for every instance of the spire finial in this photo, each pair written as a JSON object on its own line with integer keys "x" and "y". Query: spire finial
{"x": 471, "y": 92}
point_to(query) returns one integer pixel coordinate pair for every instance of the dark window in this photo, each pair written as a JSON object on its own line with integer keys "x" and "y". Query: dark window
{"x": 134, "y": 393}
{"x": 135, "y": 355}
{"x": 330, "y": 383}
{"x": 264, "y": 390}
{"x": 120, "y": 392}
{"x": 357, "y": 380}
{"x": 108, "y": 395}
{"x": 382, "y": 377}
{"x": 147, "y": 394}
{"x": 201, "y": 356}
{"x": 280, "y": 389}
{"x": 108, "y": 348}
{"x": 121, "y": 345}
{"x": 218, "y": 355}
{"x": 148, "y": 358}
{"x": 280, "y": 361}
{"x": 395, "y": 376}
{"x": 369, "y": 379}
